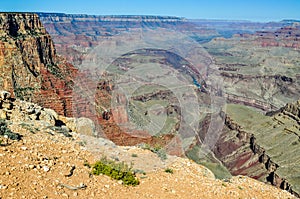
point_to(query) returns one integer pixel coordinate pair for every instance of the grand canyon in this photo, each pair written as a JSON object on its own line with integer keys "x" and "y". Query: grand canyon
{"x": 220, "y": 95}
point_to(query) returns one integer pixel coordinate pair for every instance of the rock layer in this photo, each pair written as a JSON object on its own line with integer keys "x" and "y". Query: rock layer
{"x": 264, "y": 76}
{"x": 249, "y": 145}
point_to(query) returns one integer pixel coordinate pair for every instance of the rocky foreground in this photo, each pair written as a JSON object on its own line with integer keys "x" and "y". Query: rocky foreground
{"x": 49, "y": 161}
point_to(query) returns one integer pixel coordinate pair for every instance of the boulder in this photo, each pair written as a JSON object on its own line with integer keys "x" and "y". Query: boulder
{"x": 85, "y": 126}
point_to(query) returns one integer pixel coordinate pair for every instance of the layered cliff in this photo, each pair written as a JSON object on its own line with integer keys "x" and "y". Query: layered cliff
{"x": 257, "y": 73}
{"x": 75, "y": 35}
{"x": 262, "y": 147}
{"x": 30, "y": 67}
{"x": 288, "y": 36}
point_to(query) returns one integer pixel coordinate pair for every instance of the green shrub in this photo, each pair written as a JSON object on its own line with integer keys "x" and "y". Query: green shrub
{"x": 118, "y": 171}
{"x": 4, "y": 130}
{"x": 168, "y": 170}
{"x": 134, "y": 155}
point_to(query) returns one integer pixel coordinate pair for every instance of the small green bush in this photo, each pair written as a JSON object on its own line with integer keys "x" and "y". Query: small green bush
{"x": 168, "y": 170}
{"x": 118, "y": 171}
{"x": 4, "y": 130}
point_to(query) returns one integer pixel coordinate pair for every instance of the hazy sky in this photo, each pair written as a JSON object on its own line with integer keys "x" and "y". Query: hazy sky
{"x": 255, "y": 10}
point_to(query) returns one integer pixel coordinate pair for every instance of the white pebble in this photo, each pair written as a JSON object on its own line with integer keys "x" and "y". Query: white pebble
{"x": 24, "y": 148}
{"x": 46, "y": 168}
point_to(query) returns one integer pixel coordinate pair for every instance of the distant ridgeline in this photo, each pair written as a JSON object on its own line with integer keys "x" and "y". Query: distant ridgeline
{"x": 61, "y": 17}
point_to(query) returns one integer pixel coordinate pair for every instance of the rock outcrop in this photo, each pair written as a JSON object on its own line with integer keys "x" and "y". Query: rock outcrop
{"x": 19, "y": 111}
{"x": 30, "y": 68}
{"x": 292, "y": 110}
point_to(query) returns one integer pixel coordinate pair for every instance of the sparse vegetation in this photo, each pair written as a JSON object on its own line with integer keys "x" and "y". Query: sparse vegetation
{"x": 54, "y": 70}
{"x": 139, "y": 171}
{"x": 21, "y": 92}
{"x": 28, "y": 127}
{"x": 134, "y": 155}
{"x": 4, "y": 130}
{"x": 118, "y": 171}
{"x": 157, "y": 149}
{"x": 162, "y": 154}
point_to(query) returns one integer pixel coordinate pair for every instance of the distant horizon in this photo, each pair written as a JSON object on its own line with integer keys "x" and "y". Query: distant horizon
{"x": 230, "y": 10}
{"x": 201, "y": 19}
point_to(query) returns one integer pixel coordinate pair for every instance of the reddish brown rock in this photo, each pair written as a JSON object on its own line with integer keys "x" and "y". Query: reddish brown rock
{"x": 30, "y": 68}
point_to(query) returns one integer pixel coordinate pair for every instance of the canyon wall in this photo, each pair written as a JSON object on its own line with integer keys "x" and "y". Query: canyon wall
{"x": 30, "y": 68}
{"x": 76, "y": 35}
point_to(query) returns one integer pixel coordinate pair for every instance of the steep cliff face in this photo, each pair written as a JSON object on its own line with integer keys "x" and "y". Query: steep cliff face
{"x": 262, "y": 147}
{"x": 30, "y": 67}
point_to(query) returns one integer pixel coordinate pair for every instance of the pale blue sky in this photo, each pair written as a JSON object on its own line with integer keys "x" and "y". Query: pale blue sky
{"x": 255, "y": 10}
